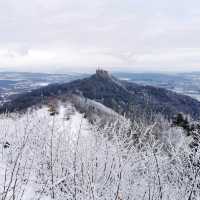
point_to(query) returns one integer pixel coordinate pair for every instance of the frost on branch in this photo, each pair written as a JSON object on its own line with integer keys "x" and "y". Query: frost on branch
{"x": 50, "y": 157}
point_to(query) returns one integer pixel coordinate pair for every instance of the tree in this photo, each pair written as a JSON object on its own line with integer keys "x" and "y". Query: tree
{"x": 182, "y": 122}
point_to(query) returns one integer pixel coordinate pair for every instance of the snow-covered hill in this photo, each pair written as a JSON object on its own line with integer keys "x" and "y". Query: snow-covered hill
{"x": 30, "y": 142}
{"x": 63, "y": 156}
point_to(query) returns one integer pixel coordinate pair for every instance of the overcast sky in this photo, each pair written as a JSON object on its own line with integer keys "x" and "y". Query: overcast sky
{"x": 74, "y": 35}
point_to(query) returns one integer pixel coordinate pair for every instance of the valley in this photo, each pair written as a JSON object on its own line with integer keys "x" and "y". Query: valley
{"x": 13, "y": 83}
{"x": 183, "y": 83}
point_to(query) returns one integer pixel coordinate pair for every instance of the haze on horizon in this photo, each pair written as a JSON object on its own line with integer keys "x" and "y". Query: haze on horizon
{"x": 130, "y": 35}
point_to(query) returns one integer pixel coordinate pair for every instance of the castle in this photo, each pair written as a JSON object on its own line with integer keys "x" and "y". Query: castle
{"x": 102, "y": 73}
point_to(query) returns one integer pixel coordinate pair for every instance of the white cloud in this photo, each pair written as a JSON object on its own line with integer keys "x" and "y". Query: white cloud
{"x": 38, "y": 35}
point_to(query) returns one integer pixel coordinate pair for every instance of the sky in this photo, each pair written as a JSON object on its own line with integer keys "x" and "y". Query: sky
{"x": 81, "y": 35}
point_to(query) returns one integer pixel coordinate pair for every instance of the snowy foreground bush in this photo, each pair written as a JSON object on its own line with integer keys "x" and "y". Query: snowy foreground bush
{"x": 65, "y": 157}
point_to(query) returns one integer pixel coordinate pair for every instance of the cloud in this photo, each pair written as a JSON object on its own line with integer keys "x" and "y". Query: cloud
{"x": 37, "y": 35}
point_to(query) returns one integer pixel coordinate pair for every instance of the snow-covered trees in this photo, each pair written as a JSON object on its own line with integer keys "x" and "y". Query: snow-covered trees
{"x": 54, "y": 157}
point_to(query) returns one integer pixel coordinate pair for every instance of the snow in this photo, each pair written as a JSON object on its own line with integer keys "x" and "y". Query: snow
{"x": 124, "y": 79}
{"x": 40, "y": 84}
{"x": 65, "y": 157}
{"x": 14, "y": 128}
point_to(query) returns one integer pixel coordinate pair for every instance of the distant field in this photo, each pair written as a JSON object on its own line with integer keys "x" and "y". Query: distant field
{"x": 184, "y": 83}
{"x": 17, "y": 82}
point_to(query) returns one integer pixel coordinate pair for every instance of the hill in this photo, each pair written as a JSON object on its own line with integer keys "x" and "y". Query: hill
{"x": 121, "y": 96}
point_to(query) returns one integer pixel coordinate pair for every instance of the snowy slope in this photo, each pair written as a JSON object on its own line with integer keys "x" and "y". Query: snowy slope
{"x": 65, "y": 157}
{"x": 26, "y": 135}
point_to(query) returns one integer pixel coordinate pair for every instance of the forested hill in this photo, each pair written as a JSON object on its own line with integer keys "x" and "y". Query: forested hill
{"x": 122, "y": 96}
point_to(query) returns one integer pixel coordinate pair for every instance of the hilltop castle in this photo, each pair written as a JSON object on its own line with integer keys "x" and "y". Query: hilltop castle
{"x": 102, "y": 73}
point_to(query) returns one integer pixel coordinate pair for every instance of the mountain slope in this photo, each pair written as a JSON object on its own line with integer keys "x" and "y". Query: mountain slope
{"x": 123, "y": 97}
